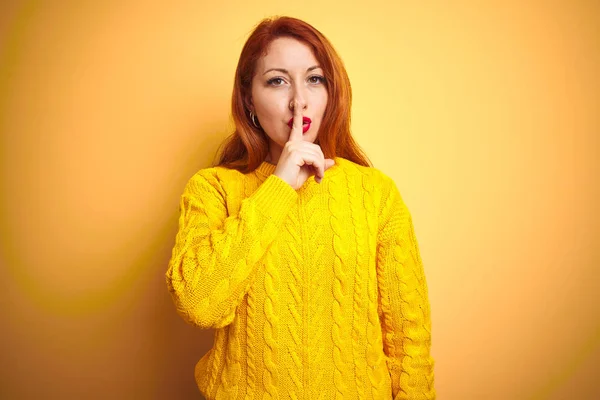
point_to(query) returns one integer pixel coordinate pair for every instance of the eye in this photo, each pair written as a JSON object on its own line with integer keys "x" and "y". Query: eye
{"x": 273, "y": 80}
{"x": 319, "y": 79}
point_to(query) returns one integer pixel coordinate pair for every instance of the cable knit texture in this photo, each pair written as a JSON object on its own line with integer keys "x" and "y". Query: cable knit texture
{"x": 315, "y": 293}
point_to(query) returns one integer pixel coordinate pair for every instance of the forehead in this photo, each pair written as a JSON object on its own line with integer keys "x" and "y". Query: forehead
{"x": 287, "y": 53}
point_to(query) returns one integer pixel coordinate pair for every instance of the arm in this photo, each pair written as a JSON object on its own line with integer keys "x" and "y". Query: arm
{"x": 406, "y": 322}
{"x": 216, "y": 255}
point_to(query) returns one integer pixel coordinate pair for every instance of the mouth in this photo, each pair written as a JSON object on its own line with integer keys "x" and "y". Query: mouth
{"x": 305, "y": 123}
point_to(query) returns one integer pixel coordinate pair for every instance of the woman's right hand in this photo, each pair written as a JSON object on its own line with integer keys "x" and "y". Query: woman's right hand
{"x": 300, "y": 159}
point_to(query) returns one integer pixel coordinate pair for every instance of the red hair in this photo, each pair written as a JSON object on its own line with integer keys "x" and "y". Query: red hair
{"x": 248, "y": 146}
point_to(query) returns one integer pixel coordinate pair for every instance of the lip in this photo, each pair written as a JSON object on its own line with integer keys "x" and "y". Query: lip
{"x": 305, "y": 120}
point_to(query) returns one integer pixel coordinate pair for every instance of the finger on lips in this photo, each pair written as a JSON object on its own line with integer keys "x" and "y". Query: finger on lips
{"x": 296, "y": 133}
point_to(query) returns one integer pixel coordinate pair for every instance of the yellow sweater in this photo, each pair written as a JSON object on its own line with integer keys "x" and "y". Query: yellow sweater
{"x": 317, "y": 293}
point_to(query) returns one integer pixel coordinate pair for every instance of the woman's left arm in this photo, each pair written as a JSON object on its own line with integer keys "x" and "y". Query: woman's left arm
{"x": 404, "y": 300}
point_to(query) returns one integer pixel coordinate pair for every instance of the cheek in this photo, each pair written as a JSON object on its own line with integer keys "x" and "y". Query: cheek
{"x": 323, "y": 105}
{"x": 270, "y": 106}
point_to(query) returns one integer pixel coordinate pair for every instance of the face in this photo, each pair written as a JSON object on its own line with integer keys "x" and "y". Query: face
{"x": 289, "y": 71}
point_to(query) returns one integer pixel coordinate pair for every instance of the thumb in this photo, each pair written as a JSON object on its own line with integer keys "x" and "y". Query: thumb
{"x": 329, "y": 163}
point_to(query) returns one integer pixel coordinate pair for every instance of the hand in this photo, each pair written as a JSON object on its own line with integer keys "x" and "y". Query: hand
{"x": 301, "y": 159}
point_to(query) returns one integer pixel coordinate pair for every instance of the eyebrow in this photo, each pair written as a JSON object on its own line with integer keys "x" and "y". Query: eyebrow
{"x": 287, "y": 72}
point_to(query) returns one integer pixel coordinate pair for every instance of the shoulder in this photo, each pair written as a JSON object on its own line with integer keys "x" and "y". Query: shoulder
{"x": 212, "y": 180}
{"x": 365, "y": 172}
{"x": 371, "y": 176}
{"x": 201, "y": 179}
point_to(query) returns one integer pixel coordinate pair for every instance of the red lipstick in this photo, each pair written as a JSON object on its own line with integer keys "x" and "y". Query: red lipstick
{"x": 305, "y": 123}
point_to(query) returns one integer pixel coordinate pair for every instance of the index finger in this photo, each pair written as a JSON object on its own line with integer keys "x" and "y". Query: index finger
{"x": 296, "y": 132}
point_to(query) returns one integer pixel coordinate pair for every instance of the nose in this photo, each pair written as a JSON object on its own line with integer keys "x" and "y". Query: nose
{"x": 301, "y": 103}
{"x": 299, "y": 99}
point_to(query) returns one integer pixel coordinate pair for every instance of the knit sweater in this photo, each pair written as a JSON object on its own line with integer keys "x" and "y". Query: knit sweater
{"x": 315, "y": 293}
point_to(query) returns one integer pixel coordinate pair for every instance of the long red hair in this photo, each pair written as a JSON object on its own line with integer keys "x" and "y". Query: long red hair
{"x": 248, "y": 146}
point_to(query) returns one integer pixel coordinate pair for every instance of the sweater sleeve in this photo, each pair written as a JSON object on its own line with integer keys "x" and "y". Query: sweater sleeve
{"x": 404, "y": 302}
{"x": 216, "y": 255}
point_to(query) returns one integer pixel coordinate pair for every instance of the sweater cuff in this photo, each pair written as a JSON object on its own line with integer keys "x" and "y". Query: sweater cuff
{"x": 274, "y": 198}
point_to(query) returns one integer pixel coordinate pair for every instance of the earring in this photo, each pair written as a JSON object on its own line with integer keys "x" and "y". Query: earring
{"x": 253, "y": 118}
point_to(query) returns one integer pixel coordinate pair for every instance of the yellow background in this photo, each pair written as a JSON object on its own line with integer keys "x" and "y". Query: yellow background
{"x": 486, "y": 115}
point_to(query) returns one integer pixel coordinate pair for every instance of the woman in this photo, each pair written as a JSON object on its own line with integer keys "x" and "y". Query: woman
{"x": 315, "y": 287}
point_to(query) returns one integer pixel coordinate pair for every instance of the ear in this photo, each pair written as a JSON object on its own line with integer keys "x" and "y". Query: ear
{"x": 248, "y": 103}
